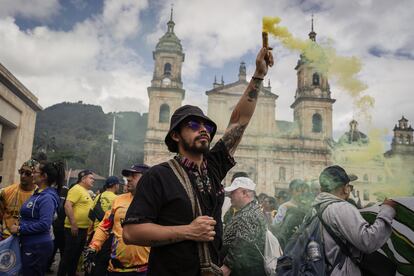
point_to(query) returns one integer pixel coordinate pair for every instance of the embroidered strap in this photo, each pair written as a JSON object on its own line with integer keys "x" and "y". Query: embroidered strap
{"x": 207, "y": 267}
{"x": 185, "y": 182}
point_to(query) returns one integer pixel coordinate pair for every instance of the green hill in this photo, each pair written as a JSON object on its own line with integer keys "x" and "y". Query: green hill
{"x": 78, "y": 133}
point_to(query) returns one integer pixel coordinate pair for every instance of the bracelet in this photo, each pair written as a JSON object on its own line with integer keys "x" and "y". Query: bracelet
{"x": 256, "y": 78}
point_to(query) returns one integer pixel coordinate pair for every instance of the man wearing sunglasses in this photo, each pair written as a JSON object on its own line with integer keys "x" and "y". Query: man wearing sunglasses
{"x": 346, "y": 222}
{"x": 183, "y": 241}
{"x": 12, "y": 197}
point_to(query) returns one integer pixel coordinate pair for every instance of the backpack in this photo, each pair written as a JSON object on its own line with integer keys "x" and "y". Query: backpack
{"x": 97, "y": 213}
{"x": 60, "y": 212}
{"x": 304, "y": 253}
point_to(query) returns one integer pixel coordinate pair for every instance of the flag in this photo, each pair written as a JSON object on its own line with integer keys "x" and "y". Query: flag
{"x": 10, "y": 262}
{"x": 400, "y": 246}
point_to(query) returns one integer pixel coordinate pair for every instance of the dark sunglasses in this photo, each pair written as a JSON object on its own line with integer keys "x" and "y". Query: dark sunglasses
{"x": 25, "y": 173}
{"x": 195, "y": 126}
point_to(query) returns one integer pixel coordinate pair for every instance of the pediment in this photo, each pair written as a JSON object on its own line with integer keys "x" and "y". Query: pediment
{"x": 237, "y": 88}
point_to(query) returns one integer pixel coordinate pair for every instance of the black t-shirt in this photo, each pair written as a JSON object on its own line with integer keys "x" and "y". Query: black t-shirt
{"x": 161, "y": 199}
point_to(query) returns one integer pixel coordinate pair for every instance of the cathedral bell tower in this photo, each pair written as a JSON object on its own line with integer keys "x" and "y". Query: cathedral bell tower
{"x": 313, "y": 103}
{"x": 402, "y": 142}
{"x": 165, "y": 94}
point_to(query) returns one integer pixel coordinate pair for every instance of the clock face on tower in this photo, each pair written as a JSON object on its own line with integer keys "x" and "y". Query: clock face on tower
{"x": 166, "y": 82}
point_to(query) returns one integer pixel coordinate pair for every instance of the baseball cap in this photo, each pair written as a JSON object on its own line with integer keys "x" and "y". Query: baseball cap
{"x": 241, "y": 182}
{"x": 112, "y": 181}
{"x": 335, "y": 176}
{"x": 137, "y": 168}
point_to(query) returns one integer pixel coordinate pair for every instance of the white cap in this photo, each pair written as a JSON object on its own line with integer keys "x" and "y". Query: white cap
{"x": 241, "y": 182}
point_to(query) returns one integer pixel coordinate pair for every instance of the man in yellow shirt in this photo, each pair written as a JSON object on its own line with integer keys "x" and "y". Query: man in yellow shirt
{"x": 12, "y": 197}
{"x": 106, "y": 198}
{"x": 77, "y": 206}
{"x": 125, "y": 259}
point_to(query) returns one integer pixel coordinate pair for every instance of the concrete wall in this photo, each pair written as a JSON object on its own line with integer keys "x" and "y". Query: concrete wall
{"x": 18, "y": 107}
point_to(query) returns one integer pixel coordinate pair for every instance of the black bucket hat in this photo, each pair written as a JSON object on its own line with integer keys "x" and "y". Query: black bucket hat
{"x": 180, "y": 115}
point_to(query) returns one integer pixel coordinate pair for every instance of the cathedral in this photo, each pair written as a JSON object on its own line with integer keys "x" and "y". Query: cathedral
{"x": 272, "y": 152}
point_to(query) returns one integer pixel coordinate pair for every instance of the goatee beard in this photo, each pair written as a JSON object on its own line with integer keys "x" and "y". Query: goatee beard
{"x": 203, "y": 149}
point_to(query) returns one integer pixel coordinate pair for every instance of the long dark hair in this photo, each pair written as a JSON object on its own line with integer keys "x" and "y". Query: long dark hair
{"x": 55, "y": 172}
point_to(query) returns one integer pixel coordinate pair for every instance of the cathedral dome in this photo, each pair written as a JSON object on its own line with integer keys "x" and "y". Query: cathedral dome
{"x": 169, "y": 42}
{"x": 353, "y": 136}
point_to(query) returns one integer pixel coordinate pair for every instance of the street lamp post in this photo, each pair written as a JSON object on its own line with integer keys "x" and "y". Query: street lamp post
{"x": 112, "y": 137}
{"x": 113, "y": 141}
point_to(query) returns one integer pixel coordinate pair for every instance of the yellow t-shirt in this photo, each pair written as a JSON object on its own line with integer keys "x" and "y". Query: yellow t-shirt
{"x": 107, "y": 198}
{"x": 12, "y": 199}
{"x": 82, "y": 203}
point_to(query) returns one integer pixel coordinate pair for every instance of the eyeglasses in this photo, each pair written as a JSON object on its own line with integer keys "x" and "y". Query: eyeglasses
{"x": 351, "y": 187}
{"x": 195, "y": 126}
{"x": 25, "y": 173}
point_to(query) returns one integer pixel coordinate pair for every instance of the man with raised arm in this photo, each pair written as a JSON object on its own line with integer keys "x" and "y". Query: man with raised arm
{"x": 177, "y": 207}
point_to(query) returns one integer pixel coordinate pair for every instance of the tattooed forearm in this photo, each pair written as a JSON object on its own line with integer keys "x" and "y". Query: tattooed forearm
{"x": 232, "y": 137}
{"x": 241, "y": 116}
{"x": 254, "y": 90}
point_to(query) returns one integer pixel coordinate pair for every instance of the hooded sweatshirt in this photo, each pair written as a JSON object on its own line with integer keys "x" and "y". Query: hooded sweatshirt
{"x": 347, "y": 223}
{"x": 37, "y": 215}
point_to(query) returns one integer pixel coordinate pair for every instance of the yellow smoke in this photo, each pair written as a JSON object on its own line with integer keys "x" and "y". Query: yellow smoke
{"x": 325, "y": 60}
{"x": 397, "y": 177}
{"x": 396, "y": 174}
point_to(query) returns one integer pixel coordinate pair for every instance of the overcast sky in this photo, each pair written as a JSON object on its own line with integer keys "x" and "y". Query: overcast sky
{"x": 100, "y": 51}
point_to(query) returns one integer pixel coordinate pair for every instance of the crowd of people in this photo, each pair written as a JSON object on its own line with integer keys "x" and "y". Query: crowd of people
{"x": 172, "y": 218}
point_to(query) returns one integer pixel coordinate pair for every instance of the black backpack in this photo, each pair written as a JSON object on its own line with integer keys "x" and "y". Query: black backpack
{"x": 61, "y": 215}
{"x": 97, "y": 213}
{"x": 304, "y": 253}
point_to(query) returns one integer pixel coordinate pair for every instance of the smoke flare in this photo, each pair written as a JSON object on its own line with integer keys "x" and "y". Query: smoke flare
{"x": 326, "y": 61}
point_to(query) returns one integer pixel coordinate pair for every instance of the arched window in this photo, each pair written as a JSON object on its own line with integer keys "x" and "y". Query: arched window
{"x": 167, "y": 69}
{"x": 366, "y": 177}
{"x": 316, "y": 123}
{"x": 282, "y": 174}
{"x": 164, "y": 113}
{"x": 315, "y": 79}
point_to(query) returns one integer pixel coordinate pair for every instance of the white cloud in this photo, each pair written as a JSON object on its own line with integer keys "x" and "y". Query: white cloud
{"x": 33, "y": 9}
{"x": 41, "y": 51}
{"x": 93, "y": 63}
{"x": 90, "y": 62}
{"x": 121, "y": 17}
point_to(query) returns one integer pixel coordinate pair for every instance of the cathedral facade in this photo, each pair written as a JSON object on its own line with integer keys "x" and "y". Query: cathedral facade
{"x": 272, "y": 152}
